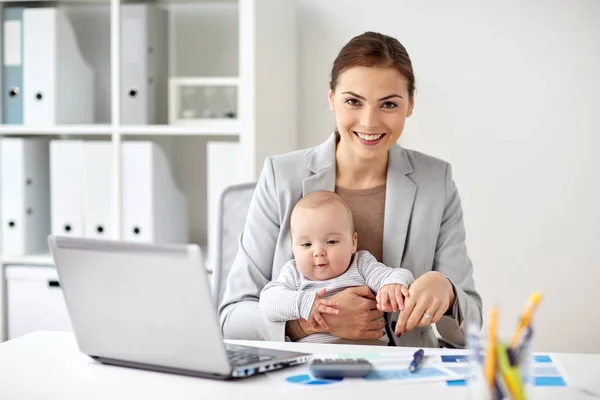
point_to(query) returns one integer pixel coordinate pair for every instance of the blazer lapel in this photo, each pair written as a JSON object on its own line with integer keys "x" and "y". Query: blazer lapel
{"x": 322, "y": 165}
{"x": 399, "y": 199}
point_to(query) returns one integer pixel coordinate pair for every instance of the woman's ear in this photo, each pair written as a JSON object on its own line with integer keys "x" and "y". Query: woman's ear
{"x": 330, "y": 98}
{"x": 411, "y": 105}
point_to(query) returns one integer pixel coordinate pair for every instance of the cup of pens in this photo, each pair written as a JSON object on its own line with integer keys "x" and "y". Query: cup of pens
{"x": 502, "y": 367}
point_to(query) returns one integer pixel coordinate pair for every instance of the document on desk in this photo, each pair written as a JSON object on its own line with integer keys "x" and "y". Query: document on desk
{"x": 387, "y": 368}
{"x": 547, "y": 369}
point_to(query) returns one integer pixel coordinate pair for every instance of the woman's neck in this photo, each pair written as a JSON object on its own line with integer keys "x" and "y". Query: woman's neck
{"x": 356, "y": 173}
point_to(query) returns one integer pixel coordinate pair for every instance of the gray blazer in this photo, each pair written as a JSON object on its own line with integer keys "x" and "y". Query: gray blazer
{"x": 423, "y": 231}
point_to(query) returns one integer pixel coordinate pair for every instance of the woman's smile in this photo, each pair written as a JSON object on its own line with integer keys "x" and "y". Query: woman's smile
{"x": 369, "y": 139}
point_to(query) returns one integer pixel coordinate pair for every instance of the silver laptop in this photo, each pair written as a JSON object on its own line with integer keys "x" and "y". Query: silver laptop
{"x": 150, "y": 306}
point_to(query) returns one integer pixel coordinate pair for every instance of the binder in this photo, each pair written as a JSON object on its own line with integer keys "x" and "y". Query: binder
{"x": 144, "y": 64}
{"x": 12, "y": 66}
{"x": 154, "y": 208}
{"x": 97, "y": 188}
{"x": 59, "y": 83}
{"x": 223, "y": 169}
{"x": 25, "y": 187}
{"x": 66, "y": 187}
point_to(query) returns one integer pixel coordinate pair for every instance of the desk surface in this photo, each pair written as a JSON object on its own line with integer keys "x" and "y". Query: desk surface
{"x": 49, "y": 365}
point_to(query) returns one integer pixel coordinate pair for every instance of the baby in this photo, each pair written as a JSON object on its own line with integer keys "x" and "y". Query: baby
{"x": 326, "y": 262}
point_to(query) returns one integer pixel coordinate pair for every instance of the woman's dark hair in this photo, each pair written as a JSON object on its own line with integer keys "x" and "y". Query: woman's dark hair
{"x": 373, "y": 49}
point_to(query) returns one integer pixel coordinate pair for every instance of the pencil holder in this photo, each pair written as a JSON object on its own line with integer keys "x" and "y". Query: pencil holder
{"x": 499, "y": 367}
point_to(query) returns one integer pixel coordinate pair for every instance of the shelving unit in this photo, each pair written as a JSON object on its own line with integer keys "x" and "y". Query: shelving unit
{"x": 80, "y": 130}
{"x": 249, "y": 42}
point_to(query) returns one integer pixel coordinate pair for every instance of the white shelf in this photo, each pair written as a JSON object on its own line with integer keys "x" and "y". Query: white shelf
{"x": 29, "y": 259}
{"x": 206, "y": 80}
{"x": 8, "y": 130}
{"x": 211, "y": 128}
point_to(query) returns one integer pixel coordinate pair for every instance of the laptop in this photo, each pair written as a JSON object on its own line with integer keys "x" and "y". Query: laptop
{"x": 150, "y": 306}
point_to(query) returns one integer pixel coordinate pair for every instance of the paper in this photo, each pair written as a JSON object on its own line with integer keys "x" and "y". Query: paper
{"x": 388, "y": 367}
{"x": 547, "y": 370}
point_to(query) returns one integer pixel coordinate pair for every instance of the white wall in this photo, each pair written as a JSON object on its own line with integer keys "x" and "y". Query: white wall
{"x": 509, "y": 93}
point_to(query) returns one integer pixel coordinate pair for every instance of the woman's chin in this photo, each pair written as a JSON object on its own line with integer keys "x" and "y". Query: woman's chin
{"x": 371, "y": 152}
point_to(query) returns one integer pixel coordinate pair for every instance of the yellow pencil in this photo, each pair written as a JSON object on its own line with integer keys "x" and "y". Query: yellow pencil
{"x": 530, "y": 307}
{"x": 490, "y": 356}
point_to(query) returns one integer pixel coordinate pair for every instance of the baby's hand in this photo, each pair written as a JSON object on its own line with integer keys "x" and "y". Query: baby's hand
{"x": 391, "y": 298}
{"x": 321, "y": 306}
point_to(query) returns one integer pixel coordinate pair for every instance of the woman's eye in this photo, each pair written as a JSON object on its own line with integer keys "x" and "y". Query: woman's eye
{"x": 352, "y": 102}
{"x": 332, "y": 241}
{"x": 389, "y": 105}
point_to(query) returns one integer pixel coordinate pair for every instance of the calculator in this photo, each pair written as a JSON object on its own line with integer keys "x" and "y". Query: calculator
{"x": 340, "y": 367}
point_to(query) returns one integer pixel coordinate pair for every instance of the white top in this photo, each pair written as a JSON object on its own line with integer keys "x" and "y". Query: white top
{"x": 292, "y": 295}
{"x": 49, "y": 365}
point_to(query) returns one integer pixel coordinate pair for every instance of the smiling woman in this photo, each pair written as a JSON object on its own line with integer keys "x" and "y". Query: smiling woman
{"x": 405, "y": 205}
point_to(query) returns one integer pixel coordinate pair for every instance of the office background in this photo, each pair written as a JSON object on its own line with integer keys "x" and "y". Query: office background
{"x": 506, "y": 92}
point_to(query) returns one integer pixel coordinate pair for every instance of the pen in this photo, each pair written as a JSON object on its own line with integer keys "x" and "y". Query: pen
{"x": 522, "y": 347}
{"x": 417, "y": 360}
{"x": 530, "y": 308}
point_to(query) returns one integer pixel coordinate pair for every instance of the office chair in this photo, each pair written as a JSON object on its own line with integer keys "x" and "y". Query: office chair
{"x": 233, "y": 210}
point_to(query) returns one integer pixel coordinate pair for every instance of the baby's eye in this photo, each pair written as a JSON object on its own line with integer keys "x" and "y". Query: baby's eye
{"x": 352, "y": 102}
{"x": 389, "y": 105}
{"x": 333, "y": 241}
{"x": 305, "y": 245}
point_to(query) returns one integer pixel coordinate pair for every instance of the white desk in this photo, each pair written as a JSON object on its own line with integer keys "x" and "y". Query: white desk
{"x": 48, "y": 365}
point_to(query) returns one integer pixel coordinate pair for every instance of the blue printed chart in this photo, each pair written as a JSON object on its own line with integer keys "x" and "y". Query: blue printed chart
{"x": 305, "y": 379}
{"x": 547, "y": 370}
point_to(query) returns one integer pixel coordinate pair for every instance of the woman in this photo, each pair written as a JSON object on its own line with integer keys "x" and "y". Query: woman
{"x": 405, "y": 204}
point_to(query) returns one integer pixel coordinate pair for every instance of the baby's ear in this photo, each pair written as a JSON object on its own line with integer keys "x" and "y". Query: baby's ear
{"x": 354, "y": 242}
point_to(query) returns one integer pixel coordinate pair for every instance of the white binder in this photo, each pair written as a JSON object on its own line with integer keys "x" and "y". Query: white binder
{"x": 25, "y": 186}
{"x": 98, "y": 188}
{"x": 58, "y": 82}
{"x": 144, "y": 64}
{"x": 66, "y": 187}
{"x": 223, "y": 169}
{"x": 154, "y": 209}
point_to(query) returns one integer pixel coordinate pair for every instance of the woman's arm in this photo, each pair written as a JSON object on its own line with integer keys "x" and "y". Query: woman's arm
{"x": 451, "y": 259}
{"x": 447, "y": 293}
{"x": 252, "y": 268}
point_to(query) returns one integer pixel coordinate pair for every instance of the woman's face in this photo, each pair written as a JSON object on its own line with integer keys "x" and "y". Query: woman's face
{"x": 370, "y": 106}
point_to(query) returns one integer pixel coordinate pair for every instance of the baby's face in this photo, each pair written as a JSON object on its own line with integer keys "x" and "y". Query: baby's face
{"x": 323, "y": 241}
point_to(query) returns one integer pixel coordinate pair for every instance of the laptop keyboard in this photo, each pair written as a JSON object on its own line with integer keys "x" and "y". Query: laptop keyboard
{"x": 237, "y": 357}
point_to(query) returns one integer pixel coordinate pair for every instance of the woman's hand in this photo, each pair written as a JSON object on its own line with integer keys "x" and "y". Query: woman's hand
{"x": 358, "y": 315}
{"x": 427, "y": 300}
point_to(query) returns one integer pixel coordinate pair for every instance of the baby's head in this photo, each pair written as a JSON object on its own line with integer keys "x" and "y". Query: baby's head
{"x": 323, "y": 235}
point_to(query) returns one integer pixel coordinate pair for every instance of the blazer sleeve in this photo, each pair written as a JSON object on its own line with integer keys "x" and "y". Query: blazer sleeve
{"x": 252, "y": 268}
{"x": 452, "y": 260}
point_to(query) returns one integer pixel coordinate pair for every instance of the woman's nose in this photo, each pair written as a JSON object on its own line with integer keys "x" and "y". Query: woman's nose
{"x": 370, "y": 119}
